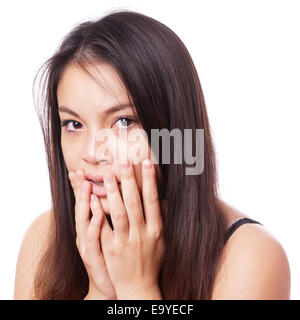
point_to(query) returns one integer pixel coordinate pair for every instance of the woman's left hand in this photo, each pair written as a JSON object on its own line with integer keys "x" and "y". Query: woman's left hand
{"x": 134, "y": 250}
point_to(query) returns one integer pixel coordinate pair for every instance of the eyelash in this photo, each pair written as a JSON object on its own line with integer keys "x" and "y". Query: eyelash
{"x": 66, "y": 122}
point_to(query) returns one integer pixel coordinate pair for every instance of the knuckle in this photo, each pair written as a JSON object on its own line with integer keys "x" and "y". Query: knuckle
{"x": 114, "y": 196}
{"x": 156, "y": 233}
{"x": 132, "y": 202}
{"x": 152, "y": 196}
{"x": 118, "y": 216}
{"x": 90, "y": 239}
{"x": 126, "y": 174}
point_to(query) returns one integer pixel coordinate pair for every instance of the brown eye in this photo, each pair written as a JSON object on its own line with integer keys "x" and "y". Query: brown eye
{"x": 74, "y": 125}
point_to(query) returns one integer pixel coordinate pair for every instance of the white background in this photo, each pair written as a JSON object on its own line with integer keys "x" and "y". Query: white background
{"x": 247, "y": 55}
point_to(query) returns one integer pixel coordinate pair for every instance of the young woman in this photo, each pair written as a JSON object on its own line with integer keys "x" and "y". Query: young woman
{"x": 136, "y": 228}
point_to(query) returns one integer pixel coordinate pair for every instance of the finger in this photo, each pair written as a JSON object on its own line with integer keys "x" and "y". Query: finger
{"x": 93, "y": 230}
{"x": 106, "y": 235}
{"x": 131, "y": 196}
{"x": 116, "y": 207}
{"x": 150, "y": 196}
{"x": 71, "y": 176}
{"x": 93, "y": 238}
{"x": 76, "y": 178}
{"x": 97, "y": 265}
{"x": 82, "y": 208}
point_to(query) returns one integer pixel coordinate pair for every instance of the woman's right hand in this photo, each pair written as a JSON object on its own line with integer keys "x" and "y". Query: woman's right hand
{"x": 88, "y": 239}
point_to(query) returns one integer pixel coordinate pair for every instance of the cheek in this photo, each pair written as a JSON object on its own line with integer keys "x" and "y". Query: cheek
{"x": 69, "y": 155}
{"x": 137, "y": 146}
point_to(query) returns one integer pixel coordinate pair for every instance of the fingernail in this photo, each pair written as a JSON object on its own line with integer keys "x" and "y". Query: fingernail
{"x": 147, "y": 164}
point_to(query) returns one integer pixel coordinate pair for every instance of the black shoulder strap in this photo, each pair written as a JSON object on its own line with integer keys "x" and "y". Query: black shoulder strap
{"x": 237, "y": 224}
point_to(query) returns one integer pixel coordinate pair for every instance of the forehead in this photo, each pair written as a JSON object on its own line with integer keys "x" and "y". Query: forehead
{"x": 91, "y": 85}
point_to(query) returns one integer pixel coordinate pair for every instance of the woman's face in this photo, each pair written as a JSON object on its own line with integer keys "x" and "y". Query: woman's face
{"x": 91, "y": 108}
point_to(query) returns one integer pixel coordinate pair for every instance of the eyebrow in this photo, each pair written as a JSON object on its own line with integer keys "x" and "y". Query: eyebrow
{"x": 107, "y": 111}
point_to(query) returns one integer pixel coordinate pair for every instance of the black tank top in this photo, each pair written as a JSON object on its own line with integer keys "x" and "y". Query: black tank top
{"x": 237, "y": 224}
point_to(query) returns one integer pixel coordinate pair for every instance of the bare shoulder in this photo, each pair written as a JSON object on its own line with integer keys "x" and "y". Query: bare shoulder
{"x": 253, "y": 265}
{"x": 31, "y": 250}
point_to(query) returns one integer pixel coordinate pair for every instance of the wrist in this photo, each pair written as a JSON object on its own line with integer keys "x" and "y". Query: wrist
{"x": 98, "y": 296}
{"x": 140, "y": 293}
{"x": 94, "y": 294}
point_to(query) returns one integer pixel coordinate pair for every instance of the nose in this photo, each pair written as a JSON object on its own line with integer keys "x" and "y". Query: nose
{"x": 95, "y": 151}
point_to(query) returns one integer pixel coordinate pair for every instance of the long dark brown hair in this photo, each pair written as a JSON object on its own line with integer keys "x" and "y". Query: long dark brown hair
{"x": 162, "y": 81}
